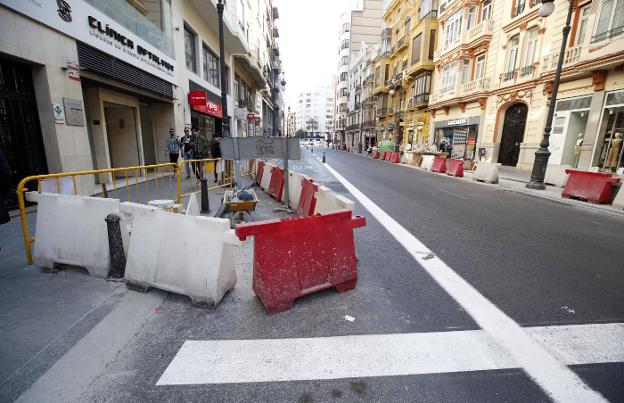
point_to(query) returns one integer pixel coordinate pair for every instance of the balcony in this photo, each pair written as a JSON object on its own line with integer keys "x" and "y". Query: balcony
{"x": 480, "y": 30}
{"x": 401, "y": 43}
{"x": 475, "y": 86}
{"x": 398, "y": 77}
{"x": 527, "y": 71}
{"x": 368, "y": 124}
{"x": 392, "y": 110}
{"x": 389, "y": 82}
{"x": 275, "y": 13}
{"x": 603, "y": 36}
{"x": 418, "y": 101}
{"x": 358, "y": 87}
{"x": 275, "y": 32}
{"x": 276, "y": 51}
{"x": 381, "y": 112}
{"x": 508, "y": 76}
{"x": 386, "y": 33}
{"x": 352, "y": 127}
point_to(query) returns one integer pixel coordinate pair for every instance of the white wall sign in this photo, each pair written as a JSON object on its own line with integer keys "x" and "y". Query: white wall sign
{"x": 86, "y": 24}
{"x": 59, "y": 113}
{"x": 458, "y": 122}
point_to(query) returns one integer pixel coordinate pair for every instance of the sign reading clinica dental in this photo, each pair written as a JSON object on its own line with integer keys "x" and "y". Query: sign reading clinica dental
{"x": 85, "y": 23}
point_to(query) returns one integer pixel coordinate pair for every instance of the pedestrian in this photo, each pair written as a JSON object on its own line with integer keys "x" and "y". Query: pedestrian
{"x": 187, "y": 149}
{"x": 5, "y": 188}
{"x": 215, "y": 152}
{"x": 172, "y": 147}
{"x": 197, "y": 153}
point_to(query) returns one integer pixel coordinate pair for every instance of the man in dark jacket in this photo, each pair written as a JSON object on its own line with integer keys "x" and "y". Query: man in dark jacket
{"x": 215, "y": 152}
{"x": 5, "y": 188}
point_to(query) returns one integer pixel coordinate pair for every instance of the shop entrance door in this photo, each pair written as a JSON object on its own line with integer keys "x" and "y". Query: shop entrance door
{"x": 20, "y": 133}
{"x": 513, "y": 134}
{"x": 123, "y": 136}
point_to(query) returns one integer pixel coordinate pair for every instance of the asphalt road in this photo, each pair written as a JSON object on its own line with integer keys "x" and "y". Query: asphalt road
{"x": 540, "y": 262}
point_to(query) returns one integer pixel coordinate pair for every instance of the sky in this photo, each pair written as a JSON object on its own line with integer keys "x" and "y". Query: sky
{"x": 309, "y": 42}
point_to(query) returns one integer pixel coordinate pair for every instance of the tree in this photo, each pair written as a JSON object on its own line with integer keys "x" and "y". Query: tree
{"x": 312, "y": 125}
{"x": 300, "y": 133}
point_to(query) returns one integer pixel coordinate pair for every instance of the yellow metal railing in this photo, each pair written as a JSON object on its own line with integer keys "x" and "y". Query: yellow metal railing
{"x": 133, "y": 181}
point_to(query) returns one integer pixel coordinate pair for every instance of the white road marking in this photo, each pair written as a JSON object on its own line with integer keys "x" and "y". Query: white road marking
{"x": 272, "y": 360}
{"x": 558, "y": 381}
{"x": 452, "y": 194}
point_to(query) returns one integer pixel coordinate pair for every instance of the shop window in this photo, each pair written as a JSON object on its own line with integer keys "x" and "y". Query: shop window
{"x": 610, "y": 20}
{"x": 610, "y": 147}
{"x": 190, "y": 51}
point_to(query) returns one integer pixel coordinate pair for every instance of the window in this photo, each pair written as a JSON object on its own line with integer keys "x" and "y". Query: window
{"x": 426, "y": 7}
{"x": 344, "y": 44}
{"x": 240, "y": 11}
{"x": 377, "y": 76}
{"x": 407, "y": 26}
{"x": 513, "y": 53}
{"x": 448, "y": 77}
{"x": 422, "y": 84}
{"x": 582, "y": 25}
{"x": 190, "y": 52}
{"x": 479, "y": 66}
{"x": 453, "y": 29}
{"x": 432, "y": 38}
{"x": 465, "y": 71}
{"x": 211, "y": 67}
{"x": 344, "y": 76}
{"x": 518, "y": 8}
{"x": 486, "y": 10}
{"x": 416, "y": 46}
{"x": 531, "y": 47}
{"x": 472, "y": 17}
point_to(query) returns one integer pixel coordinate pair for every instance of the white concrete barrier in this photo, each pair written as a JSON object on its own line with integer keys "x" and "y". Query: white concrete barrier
{"x": 193, "y": 208}
{"x": 294, "y": 188}
{"x": 327, "y": 200}
{"x": 183, "y": 254}
{"x": 555, "y": 175}
{"x": 266, "y": 176}
{"x": 486, "y": 172}
{"x": 65, "y": 185}
{"x": 71, "y": 230}
{"x": 618, "y": 202}
{"x": 427, "y": 162}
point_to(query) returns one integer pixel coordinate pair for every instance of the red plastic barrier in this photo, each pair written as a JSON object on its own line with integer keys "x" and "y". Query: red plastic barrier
{"x": 259, "y": 172}
{"x": 439, "y": 165}
{"x": 455, "y": 168}
{"x": 307, "y": 199}
{"x": 376, "y": 154}
{"x": 276, "y": 185}
{"x": 595, "y": 187}
{"x": 299, "y": 256}
{"x": 394, "y": 157}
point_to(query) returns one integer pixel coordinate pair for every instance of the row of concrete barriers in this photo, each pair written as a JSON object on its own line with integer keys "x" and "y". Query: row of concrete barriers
{"x": 194, "y": 255}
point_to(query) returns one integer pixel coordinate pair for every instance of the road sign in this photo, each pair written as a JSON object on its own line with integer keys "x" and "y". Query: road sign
{"x": 260, "y": 147}
{"x": 250, "y": 117}
{"x": 257, "y": 120}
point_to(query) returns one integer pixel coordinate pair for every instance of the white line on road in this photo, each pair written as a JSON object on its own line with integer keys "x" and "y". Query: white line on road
{"x": 452, "y": 194}
{"x": 272, "y": 360}
{"x": 558, "y": 381}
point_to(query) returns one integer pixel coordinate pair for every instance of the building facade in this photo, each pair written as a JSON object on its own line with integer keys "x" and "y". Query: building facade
{"x": 314, "y": 112}
{"x": 495, "y": 64}
{"x": 360, "y": 112}
{"x": 358, "y": 27}
{"x": 403, "y": 71}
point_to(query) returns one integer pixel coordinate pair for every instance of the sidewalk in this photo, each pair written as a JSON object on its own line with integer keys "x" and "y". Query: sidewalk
{"x": 515, "y": 180}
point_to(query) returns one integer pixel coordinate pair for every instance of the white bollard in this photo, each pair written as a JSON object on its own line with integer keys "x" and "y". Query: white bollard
{"x": 71, "y": 230}
{"x": 427, "y": 162}
{"x": 183, "y": 254}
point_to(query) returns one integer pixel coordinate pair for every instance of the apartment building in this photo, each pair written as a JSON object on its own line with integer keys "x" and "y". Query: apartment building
{"x": 495, "y": 64}
{"x": 357, "y": 27}
{"x": 360, "y": 114}
{"x": 314, "y": 112}
{"x": 403, "y": 69}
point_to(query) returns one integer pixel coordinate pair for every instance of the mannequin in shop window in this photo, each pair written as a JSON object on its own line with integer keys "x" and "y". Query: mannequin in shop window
{"x": 577, "y": 148}
{"x": 614, "y": 153}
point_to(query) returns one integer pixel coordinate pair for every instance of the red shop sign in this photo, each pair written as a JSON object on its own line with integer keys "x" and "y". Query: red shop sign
{"x": 199, "y": 102}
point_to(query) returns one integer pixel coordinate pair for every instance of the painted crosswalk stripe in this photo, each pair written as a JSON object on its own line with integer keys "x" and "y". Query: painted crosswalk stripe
{"x": 271, "y": 360}
{"x": 557, "y": 381}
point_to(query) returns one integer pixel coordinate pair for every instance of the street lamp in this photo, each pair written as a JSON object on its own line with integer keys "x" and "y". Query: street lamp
{"x": 542, "y": 154}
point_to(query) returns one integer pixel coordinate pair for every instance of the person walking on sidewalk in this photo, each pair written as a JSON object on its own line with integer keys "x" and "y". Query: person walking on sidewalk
{"x": 173, "y": 147}
{"x": 187, "y": 149}
{"x": 201, "y": 148}
{"x": 215, "y": 152}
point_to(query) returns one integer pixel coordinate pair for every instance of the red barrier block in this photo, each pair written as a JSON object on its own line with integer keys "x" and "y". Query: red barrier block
{"x": 376, "y": 154}
{"x": 394, "y": 157}
{"x": 439, "y": 165}
{"x": 276, "y": 185}
{"x": 455, "y": 168}
{"x": 259, "y": 172}
{"x": 594, "y": 187}
{"x": 299, "y": 256}
{"x": 307, "y": 199}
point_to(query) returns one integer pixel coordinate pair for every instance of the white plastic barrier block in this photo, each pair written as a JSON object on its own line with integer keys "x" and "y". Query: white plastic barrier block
{"x": 294, "y": 188}
{"x": 183, "y": 254}
{"x": 72, "y": 230}
{"x": 266, "y": 176}
{"x": 327, "y": 200}
{"x": 193, "y": 208}
{"x": 486, "y": 172}
{"x": 555, "y": 175}
{"x": 618, "y": 202}
{"x": 64, "y": 185}
{"x": 427, "y": 162}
